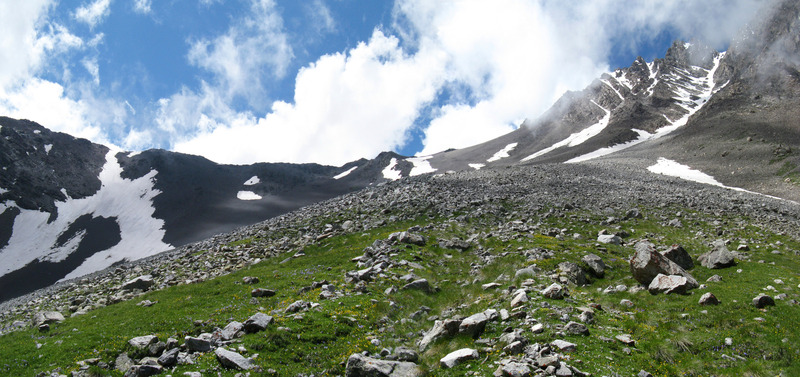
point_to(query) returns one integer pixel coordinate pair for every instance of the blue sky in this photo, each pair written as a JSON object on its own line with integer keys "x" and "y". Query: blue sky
{"x": 327, "y": 81}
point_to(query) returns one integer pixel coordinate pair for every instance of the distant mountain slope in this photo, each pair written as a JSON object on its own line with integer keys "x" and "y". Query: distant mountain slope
{"x": 69, "y": 207}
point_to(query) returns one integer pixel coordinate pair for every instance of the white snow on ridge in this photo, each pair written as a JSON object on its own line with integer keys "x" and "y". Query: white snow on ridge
{"x": 345, "y": 173}
{"x": 390, "y": 173}
{"x": 503, "y": 153}
{"x": 476, "y": 166}
{"x": 47, "y": 148}
{"x": 129, "y": 201}
{"x": 578, "y": 137}
{"x": 247, "y": 195}
{"x": 706, "y": 87}
{"x": 612, "y": 88}
{"x": 252, "y": 181}
{"x": 421, "y": 165}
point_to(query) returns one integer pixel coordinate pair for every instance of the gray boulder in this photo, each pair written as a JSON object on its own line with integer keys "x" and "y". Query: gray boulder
{"x": 476, "y": 323}
{"x": 718, "y": 257}
{"x": 233, "y": 360}
{"x": 419, "y": 285}
{"x": 572, "y": 273}
{"x": 143, "y": 342}
{"x": 257, "y": 322}
{"x": 708, "y": 299}
{"x": 199, "y": 344}
{"x": 440, "y": 329}
{"x": 359, "y": 365}
{"x": 457, "y": 357}
{"x": 169, "y": 358}
{"x": 143, "y": 283}
{"x": 513, "y": 369}
{"x": 575, "y": 328}
{"x": 123, "y": 362}
{"x": 609, "y": 238}
{"x": 42, "y": 318}
{"x": 262, "y": 292}
{"x": 670, "y": 284}
{"x": 646, "y": 263}
{"x": 680, "y": 256}
{"x": 554, "y": 291}
{"x": 596, "y": 265}
{"x": 230, "y": 330}
{"x": 144, "y": 371}
{"x": 408, "y": 238}
{"x": 762, "y": 301}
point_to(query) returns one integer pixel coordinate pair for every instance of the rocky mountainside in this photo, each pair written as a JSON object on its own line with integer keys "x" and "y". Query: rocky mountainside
{"x": 731, "y": 115}
{"x": 70, "y": 207}
{"x": 531, "y": 270}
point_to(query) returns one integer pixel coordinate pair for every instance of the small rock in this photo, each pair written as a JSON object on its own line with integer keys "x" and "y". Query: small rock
{"x": 476, "y": 323}
{"x": 261, "y": 292}
{"x": 626, "y": 340}
{"x": 490, "y": 286}
{"x": 537, "y": 328}
{"x": 169, "y": 358}
{"x": 563, "y": 345}
{"x": 575, "y": 328}
{"x": 513, "y": 369}
{"x": 144, "y": 370}
{"x": 230, "y": 331}
{"x": 708, "y": 298}
{"x": 250, "y": 280}
{"x": 457, "y": 357}
{"x": 359, "y": 365}
{"x": 626, "y": 302}
{"x": 643, "y": 373}
{"x": 714, "y": 279}
{"x": 520, "y": 297}
{"x": 406, "y": 354}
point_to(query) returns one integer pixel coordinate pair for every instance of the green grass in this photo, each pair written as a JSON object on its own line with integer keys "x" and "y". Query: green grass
{"x": 674, "y": 335}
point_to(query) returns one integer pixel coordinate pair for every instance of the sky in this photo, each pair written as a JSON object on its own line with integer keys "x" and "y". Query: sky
{"x": 325, "y": 81}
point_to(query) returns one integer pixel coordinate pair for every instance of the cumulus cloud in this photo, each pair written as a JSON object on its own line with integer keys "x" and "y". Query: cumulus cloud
{"x": 93, "y": 13}
{"x": 252, "y": 51}
{"x": 345, "y": 105}
{"x": 142, "y": 6}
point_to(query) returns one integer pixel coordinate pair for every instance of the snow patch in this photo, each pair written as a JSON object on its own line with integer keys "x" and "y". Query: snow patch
{"x": 47, "y": 148}
{"x": 673, "y": 169}
{"x": 37, "y": 131}
{"x": 247, "y": 195}
{"x": 643, "y": 136}
{"x": 503, "y": 153}
{"x": 612, "y": 88}
{"x": 578, "y": 137}
{"x": 252, "y": 181}
{"x": 129, "y": 201}
{"x": 421, "y": 165}
{"x": 476, "y": 166}
{"x": 345, "y": 173}
{"x": 131, "y": 154}
{"x": 390, "y": 173}
{"x": 2, "y": 191}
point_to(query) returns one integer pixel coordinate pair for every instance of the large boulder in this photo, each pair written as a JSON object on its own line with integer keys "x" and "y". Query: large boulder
{"x": 670, "y": 284}
{"x": 257, "y": 322}
{"x": 718, "y": 257}
{"x": 680, "y": 256}
{"x": 359, "y": 365}
{"x": 647, "y": 263}
{"x": 596, "y": 265}
{"x": 42, "y": 318}
{"x": 143, "y": 342}
{"x": 571, "y": 273}
{"x": 440, "y": 329}
{"x": 233, "y": 360}
{"x": 143, "y": 283}
{"x": 476, "y": 323}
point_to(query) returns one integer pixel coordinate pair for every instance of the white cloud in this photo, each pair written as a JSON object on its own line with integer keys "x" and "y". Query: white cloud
{"x": 142, "y": 6}
{"x": 345, "y": 106}
{"x": 93, "y": 68}
{"x": 244, "y": 59}
{"x": 320, "y": 17}
{"x": 93, "y": 13}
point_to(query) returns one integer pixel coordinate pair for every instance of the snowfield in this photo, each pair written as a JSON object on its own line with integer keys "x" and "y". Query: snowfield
{"x": 252, "y": 181}
{"x": 247, "y": 195}
{"x": 130, "y": 202}
{"x": 390, "y": 173}
{"x": 421, "y": 165}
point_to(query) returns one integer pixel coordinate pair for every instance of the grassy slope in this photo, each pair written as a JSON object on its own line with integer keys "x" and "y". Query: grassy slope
{"x": 675, "y": 336}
